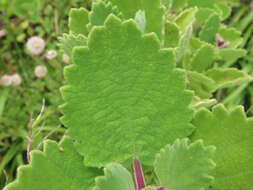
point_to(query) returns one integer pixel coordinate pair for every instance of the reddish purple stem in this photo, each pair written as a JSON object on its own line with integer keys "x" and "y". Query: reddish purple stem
{"x": 138, "y": 175}
{"x": 160, "y": 188}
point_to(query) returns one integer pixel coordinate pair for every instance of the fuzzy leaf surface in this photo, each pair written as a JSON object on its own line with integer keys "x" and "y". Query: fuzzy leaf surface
{"x": 184, "y": 165}
{"x": 123, "y": 94}
{"x": 231, "y": 132}
{"x": 57, "y": 168}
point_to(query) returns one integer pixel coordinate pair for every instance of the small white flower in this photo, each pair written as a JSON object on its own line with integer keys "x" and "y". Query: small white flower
{"x": 3, "y": 33}
{"x": 65, "y": 58}
{"x": 35, "y": 45}
{"x": 16, "y": 79}
{"x": 6, "y": 80}
{"x": 40, "y": 71}
{"x": 51, "y": 54}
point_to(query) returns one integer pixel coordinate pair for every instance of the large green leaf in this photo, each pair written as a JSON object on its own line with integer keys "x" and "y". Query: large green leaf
{"x": 116, "y": 177}
{"x": 231, "y": 132}
{"x": 58, "y": 167}
{"x": 185, "y": 166}
{"x": 124, "y": 97}
{"x": 153, "y": 11}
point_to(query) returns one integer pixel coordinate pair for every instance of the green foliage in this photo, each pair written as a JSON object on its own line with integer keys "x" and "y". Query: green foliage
{"x": 57, "y": 163}
{"x": 100, "y": 11}
{"x": 231, "y": 133}
{"x": 153, "y": 10}
{"x": 69, "y": 41}
{"x": 116, "y": 177}
{"x": 210, "y": 29}
{"x": 28, "y": 9}
{"x": 78, "y": 20}
{"x": 183, "y": 165}
{"x": 136, "y": 101}
{"x": 228, "y": 77}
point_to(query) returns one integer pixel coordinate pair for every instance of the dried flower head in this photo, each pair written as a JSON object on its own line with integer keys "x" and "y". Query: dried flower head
{"x": 35, "y": 45}
{"x": 3, "y": 33}
{"x": 220, "y": 42}
{"x": 6, "y": 80}
{"x": 40, "y": 71}
{"x": 16, "y": 79}
{"x": 65, "y": 58}
{"x": 51, "y": 54}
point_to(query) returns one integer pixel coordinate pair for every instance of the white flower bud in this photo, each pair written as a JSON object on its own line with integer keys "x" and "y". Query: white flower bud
{"x": 3, "y": 33}
{"x": 65, "y": 58}
{"x": 16, "y": 79}
{"x": 51, "y": 54}
{"x": 6, "y": 80}
{"x": 35, "y": 45}
{"x": 40, "y": 71}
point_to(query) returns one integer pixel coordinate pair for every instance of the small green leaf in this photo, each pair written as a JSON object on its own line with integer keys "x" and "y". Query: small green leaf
{"x": 171, "y": 35}
{"x": 202, "y": 3}
{"x": 231, "y": 35}
{"x": 69, "y": 41}
{"x": 198, "y": 103}
{"x": 78, "y": 20}
{"x": 185, "y": 166}
{"x": 202, "y": 85}
{"x": 116, "y": 177}
{"x": 210, "y": 29}
{"x": 186, "y": 19}
{"x": 178, "y": 5}
{"x": 183, "y": 45}
{"x": 203, "y": 14}
{"x": 153, "y": 10}
{"x": 230, "y": 54}
{"x": 100, "y": 11}
{"x": 202, "y": 59}
{"x": 58, "y": 167}
{"x": 231, "y": 132}
{"x": 228, "y": 77}
{"x": 224, "y": 9}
